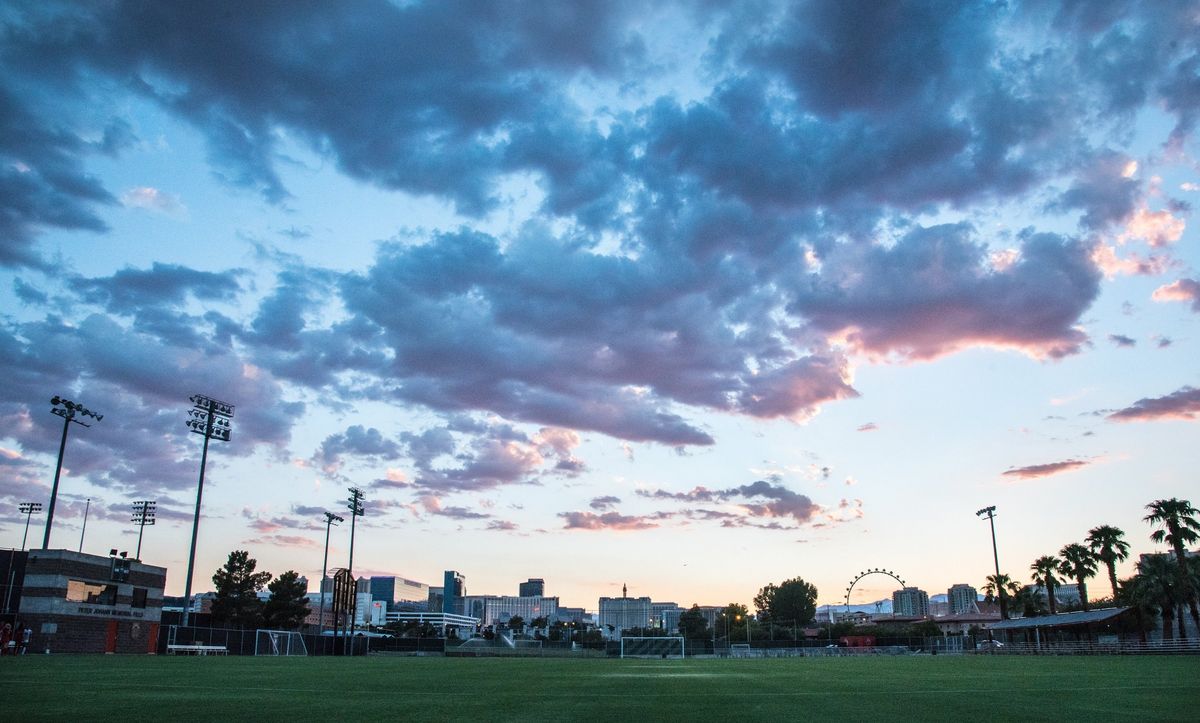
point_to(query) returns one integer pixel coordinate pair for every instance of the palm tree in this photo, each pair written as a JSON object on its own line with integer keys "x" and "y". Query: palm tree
{"x": 1044, "y": 569}
{"x": 1177, "y": 524}
{"x": 1079, "y": 564}
{"x": 1154, "y": 588}
{"x": 1109, "y": 546}
{"x": 1000, "y": 588}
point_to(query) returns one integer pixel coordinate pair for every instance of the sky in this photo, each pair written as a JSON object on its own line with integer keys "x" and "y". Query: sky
{"x": 692, "y": 297}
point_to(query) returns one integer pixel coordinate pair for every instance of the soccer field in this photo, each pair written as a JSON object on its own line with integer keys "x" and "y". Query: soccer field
{"x": 909, "y": 688}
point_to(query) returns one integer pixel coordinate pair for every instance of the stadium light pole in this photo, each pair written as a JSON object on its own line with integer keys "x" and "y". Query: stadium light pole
{"x": 990, "y": 514}
{"x": 143, "y": 514}
{"x": 86, "y": 509}
{"x": 210, "y": 419}
{"x": 329, "y": 522}
{"x": 28, "y": 509}
{"x": 66, "y": 409}
{"x": 355, "y": 505}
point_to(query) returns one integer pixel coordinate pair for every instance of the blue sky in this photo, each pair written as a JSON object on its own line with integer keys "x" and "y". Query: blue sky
{"x": 692, "y": 297}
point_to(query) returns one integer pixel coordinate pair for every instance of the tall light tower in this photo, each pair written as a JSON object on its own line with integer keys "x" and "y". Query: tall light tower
{"x": 329, "y": 522}
{"x": 210, "y": 419}
{"x": 143, "y": 514}
{"x": 28, "y": 509}
{"x": 355, "y": 505}
{"x": 66, "y": 409}
{"x": 990, "y": 514}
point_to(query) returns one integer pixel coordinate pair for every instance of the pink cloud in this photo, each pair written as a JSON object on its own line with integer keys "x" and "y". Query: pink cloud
{"x": 1185, "y": 290}
{"x": 1045, "y": 470}
{"x": 1183, "y": 404}
{"x": 605, "y": 521}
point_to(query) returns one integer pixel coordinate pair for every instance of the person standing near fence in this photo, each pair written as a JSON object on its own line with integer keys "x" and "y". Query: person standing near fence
{"x": 26, "y": 636}
{"x": 6, "y": 639}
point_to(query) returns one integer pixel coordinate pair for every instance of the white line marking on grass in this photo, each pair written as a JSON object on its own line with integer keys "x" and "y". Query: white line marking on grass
{"x": 575, "y": 693}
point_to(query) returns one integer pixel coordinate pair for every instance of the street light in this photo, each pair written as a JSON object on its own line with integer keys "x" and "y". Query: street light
{"x": 355, "y": 505}
{"x": 990, "y": 514}
{"x": 28, "y": 509}
{"x": 210, "y": 419}
{"x": 143, "y": 514}
{"x": 329, "y": 521}
{"x": 66, "y": 409}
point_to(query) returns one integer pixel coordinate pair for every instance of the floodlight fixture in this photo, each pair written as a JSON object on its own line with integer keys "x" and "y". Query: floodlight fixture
{"x": 70, "y": 412}
{"x": 210, "y": 418}
{"x": 28, "y": 509}
{"x": 143, "y": 514}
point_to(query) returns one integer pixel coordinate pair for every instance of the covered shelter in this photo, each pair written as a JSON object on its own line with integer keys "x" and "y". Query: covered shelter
{"x": 1064, "y": 629}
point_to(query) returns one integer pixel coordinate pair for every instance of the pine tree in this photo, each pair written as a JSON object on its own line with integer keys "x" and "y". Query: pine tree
{"x": 287, "y": 607}
{"x": 237, "y": 586}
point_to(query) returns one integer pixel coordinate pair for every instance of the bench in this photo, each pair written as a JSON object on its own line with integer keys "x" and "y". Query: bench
{"x": 197, "y": 650}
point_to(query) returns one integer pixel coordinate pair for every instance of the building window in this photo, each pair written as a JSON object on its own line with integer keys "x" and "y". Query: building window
{"x": 90, "y": 592}
{"x": 139, "y": 598}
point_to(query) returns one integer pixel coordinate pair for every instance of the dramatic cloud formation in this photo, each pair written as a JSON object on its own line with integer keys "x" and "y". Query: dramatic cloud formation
{"x": 1183, "y": 403}
{"x": 461, "y": 252}
{"x": 1045, "y": 470}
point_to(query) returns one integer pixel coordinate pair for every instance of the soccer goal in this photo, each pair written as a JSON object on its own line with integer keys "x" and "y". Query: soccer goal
{"x": 656, "y": 647}
{"x": 279, "y": 642}
{"x": 739, "y": 650}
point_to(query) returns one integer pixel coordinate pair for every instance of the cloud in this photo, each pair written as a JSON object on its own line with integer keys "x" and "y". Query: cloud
{"x": 1122, "y": 340}
{"x": 1185, "y": 290}
{"x": 433, "y": 505}
{"x": 1045, "y": 470}
{"x": 933, "y": 292}
{"x": 152, "y": 199}
{"x": 605, "y": 521}
{"x": 1183, "y": 404}
{"x": 604, "y": 503}
{"x": 758, "y": 499}
{"x": 868, "y": 427}
{"x": 365, "y": 443}
{"x": 1157, "y": 228}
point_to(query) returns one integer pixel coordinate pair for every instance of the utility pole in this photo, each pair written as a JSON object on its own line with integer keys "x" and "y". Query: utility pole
{"x": 210, "y": 419}
{"x": 990, "y": 514}
{"x": 355, "y": 505}
{"x": 66, "y": 409}
{"x": 329, "y": 522}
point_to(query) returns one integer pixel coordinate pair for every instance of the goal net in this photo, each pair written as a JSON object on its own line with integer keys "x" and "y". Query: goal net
{"x": 279, "y": 642}
{"x": 739, "y": 650}
{"x": 656, "y": 647}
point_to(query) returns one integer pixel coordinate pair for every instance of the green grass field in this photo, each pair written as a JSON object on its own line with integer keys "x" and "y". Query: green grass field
{"x": 908, "y": 688}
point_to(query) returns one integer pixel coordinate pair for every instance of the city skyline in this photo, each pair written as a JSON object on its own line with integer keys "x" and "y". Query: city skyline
{"x": 687, "y": 297}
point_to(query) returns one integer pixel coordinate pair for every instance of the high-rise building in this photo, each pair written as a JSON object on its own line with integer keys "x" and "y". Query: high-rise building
{"x": 499, "y": 609}
{"x": 410, "y": 591}
{"x": 383, "y": 589}
{"x": 623, "y": 613}
{"x": 454, "y": 588}
{"x": 665, "y": 616}
{"x": 910, "y": 602}
{"x": 533, "y": 587}
{"x": 962, "y": 599}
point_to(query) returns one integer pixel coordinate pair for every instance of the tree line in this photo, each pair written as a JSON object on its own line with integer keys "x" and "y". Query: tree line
{"x": 1163, "y": 584}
